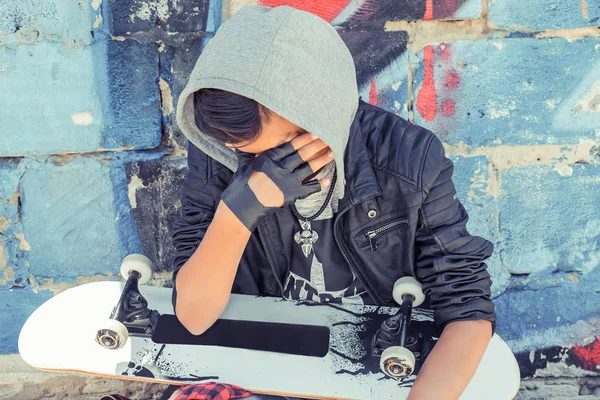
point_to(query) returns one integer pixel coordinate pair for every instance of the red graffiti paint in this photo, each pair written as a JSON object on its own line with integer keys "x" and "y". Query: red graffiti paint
{"x": 373, "y": 93}
{"x": 451, "y": 80}
{"x": 448, "y": 107}
{"x": 327, "y": 10}
{"x": 589, "y": 355}
{"x": 428, "y": 10}
{"x": 427, "y": 97}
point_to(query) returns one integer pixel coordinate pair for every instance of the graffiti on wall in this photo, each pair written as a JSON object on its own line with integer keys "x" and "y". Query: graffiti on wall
{"x": 578, "y": 359}
{"x": 142, "y": 187}
{"x": 357, "y": 11}
{"x": 361, "y": 24}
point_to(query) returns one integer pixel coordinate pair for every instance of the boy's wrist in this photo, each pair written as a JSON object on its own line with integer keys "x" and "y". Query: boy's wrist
{"x": 224, "y": 215}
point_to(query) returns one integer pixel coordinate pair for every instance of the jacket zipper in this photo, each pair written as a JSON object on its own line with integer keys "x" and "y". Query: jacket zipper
{"x": 372, "y": 234}
{"x": 367, "y": 284}
{"x": 267, "y": 252}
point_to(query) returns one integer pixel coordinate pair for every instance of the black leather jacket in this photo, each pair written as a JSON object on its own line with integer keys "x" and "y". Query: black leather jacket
{"x": 398, "y": 187}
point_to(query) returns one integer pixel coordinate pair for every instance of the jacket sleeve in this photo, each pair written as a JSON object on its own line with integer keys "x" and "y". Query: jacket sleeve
{"x": 198, "y": 207}
{"x": 449, "y": 261}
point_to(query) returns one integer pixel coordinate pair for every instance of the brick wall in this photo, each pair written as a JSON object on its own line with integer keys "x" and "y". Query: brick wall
{"x": 91, "y": 162}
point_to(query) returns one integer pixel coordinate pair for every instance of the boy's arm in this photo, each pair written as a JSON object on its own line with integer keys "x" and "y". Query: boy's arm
{"x": 449, "y": 264}
{"x": 204, "y": 282}
{"x": 453, "y": 361}
{"x": 208, "y": 231}
{"x": 210, "y": 238}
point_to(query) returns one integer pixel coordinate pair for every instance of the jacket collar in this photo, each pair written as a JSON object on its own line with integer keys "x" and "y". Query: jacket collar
{"x": 361, "y": 182}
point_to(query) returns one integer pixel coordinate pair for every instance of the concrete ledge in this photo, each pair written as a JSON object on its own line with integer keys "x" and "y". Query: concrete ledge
{"x": 20, "y": 381}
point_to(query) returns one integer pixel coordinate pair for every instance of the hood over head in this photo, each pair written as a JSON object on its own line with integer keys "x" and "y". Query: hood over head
{"x": 289, "y": 60}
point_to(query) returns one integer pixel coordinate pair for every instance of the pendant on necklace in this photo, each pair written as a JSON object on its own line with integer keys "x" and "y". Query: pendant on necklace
{"x": 306, "y": 237}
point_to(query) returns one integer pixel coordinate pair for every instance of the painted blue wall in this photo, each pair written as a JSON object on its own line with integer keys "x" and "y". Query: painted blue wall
{"x": 543, "y": 15}
{"x": 91, "y": 161}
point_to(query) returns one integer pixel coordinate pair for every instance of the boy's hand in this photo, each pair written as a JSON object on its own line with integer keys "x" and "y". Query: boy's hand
{"x": 311, "y": 150}
{"x": 264, "y": 183}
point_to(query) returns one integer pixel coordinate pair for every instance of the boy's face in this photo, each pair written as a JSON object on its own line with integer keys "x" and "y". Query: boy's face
{"x": 273, "y": 133}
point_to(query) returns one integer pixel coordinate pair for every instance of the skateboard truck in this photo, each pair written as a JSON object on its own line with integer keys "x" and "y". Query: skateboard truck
{"x": 131, "y": 315}
{"x": 393, "y": 343}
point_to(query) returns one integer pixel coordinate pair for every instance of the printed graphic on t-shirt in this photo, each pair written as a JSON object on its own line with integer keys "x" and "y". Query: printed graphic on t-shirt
{"x": 314, "y": 288}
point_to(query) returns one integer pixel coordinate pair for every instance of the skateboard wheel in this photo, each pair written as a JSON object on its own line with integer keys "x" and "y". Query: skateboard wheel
{"x": 397, "y": 362}
{"x": 407, "y": 285}
{"x": 138, "y": 263}
{"x": 113, "y": 335}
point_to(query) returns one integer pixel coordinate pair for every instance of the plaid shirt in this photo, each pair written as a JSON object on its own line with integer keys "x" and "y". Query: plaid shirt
{"x": 210, "y": 391}
{"x": 204, "y": 391}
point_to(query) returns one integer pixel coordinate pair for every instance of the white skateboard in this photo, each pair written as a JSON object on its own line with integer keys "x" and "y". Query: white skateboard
{"x": 265, "y": 345}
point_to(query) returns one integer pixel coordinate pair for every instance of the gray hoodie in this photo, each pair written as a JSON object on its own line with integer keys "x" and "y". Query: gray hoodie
{"x": 292, "y": 62}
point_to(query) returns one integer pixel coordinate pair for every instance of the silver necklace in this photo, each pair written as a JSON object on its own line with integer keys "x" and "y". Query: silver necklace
{"x": 306, "y": 237}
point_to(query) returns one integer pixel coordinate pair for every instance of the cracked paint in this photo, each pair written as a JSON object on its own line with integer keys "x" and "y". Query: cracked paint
{"x": 166, "y": 97}
{"x": 4, "y": 224}
{"x": 160, "y": 7}
{"x": 72, "y": 46}
{"x": 571, "y": 35}
{"x": 48, "y": 284}
{"x": 83, "y": 119}
{"x": 23, "y": 245}
{"x": 96, "y": 4}
{"x": 15, "y": 198}
{"x": 2, "y": 255}
{"x": 561, "y": 157}
{"x": 63, "y": 159}
{"x": 39, "y": 284}
{"x": 427, "y": 32}
{"x": 564, "y": 170}
{"x": 135, "y": 184}
{"x": 98, "y": 21}
{"x": 9, "y": 274}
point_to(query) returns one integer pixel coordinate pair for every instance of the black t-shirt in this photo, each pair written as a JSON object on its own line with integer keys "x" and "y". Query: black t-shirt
{"x": 323, "y": 276}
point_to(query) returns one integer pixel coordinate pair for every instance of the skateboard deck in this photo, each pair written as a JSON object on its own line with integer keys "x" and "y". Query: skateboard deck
{"x": 265, "y": 345}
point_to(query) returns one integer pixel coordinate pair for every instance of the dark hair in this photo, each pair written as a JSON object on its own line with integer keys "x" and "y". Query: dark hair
{"x": 227, "y": 116}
